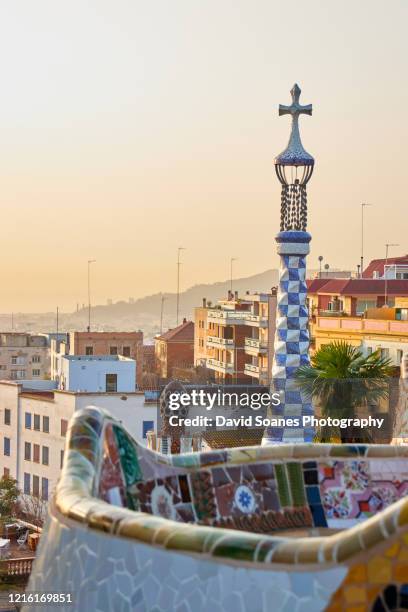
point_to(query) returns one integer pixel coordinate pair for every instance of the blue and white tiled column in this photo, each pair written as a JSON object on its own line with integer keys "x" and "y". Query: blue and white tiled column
{"x": 291, "y": 339}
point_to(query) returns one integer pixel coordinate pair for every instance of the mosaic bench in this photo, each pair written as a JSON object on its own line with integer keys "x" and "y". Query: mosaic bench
{"x": 130, "y": 529}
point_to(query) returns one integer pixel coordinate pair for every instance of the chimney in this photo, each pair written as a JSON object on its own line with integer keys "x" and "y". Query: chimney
{"x": 229, "y": 295}
{"x": 236, "y": 295}
{"x": 184, "y": 320}
{"x": 204, "y": 302}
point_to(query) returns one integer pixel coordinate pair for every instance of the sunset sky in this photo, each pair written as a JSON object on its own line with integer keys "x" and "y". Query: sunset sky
{"x": 129, "y": 128}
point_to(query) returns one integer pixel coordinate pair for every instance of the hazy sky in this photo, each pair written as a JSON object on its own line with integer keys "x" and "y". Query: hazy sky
{"x": 130, "y": 128}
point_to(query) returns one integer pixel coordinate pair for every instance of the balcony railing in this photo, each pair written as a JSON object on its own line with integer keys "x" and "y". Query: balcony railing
{"x": 357, "y": 324}
{"x": 216, "y": 341}
{"x": 220, "y": 366}
{"x": 255, "y": 371}
{"x": 255, "y": 345}
{"x": 236, "y": 317}
{"x": 331, "y": 313}
{"x": 17, "y": 567}
{"x": 256, "y": 320}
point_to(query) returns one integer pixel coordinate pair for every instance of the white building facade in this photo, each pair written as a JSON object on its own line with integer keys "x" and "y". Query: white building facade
{"x": 96, "y": 373}
{"x": 34, "y": 423}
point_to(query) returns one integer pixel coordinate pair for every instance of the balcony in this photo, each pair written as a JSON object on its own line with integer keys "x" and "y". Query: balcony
{"x": 256, "y": 320}
{"x": 362, "y": 326}
{"x": 227, "y": 317}
{"x": 220, "y": 366}
{"x": 256, "y": 372}
{"x": 332, "y": 313}
{"x": 216, "y": 342}
{"x": 254, "y": 346}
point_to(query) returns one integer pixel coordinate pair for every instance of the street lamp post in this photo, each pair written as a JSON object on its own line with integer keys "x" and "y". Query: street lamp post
{"x": 161, "y": 313}
{"x": 90, "y": 261}
{"x": 363, "y": 205}
{"x": 387, "y": 246}
{"x": 320, "y": 265}
{"x": 178, "y": 283}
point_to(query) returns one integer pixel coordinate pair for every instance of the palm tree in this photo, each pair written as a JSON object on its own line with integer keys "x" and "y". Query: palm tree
{"x": 341, "y": 379}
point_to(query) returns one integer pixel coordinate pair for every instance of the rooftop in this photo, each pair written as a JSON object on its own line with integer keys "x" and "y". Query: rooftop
{"x": 377, "y": 265}
{"x": 181, "y": 333}
{"x": 357, "y": 286}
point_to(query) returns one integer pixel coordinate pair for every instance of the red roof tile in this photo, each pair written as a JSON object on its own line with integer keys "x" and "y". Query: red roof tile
{"x": 360, "y": 286}
{"x": 181, "y": 333}
{"x": 377, "y": 265}
{"x": 316, "y": 283}
{"x": 334, "y": 285}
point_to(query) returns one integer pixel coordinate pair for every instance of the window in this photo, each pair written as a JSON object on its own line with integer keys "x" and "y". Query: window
{"x": 369, "y": 350}
{"x": 27, "y": 483}
{"x": 44, "y": 488}
{"x": 17, "y": 374}
{"x": 36, "y": 373}
{"x": 64, "y": 426}
{"x": 147, "y": 426}
{"x": 362, "y": 305}
{"x": 36, "y": 453}
{"x": 89, "y": 350}
{"x": 6, "y": 473}
{"x": 61, "y": 458}
{"x": 36, "y": 486}
{"x": 385, "y": 353}
{"x": 113, "y": 350}
{"x": 46, "y": 424}
{"x": 111, "y": 383}
{"x": 15, "y": 360}
{"x": 36, "y": 359}
{"x": 126, "y": 351}
{"x": 399, "y": 356}
{"x": 45, "y": 455}
{"x": 6, "y": 446}
{"x": 7, "y": 416}
{"x": 27, "y": 451}
{"x": 401, "y": 314}
{"x": 27, "y": 419}
{"x": 37, "y": 424}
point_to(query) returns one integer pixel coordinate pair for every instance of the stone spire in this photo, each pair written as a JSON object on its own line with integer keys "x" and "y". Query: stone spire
{"x": 294, "y": 167}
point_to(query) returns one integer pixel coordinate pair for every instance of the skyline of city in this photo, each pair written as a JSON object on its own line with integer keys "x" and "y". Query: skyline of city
{"x": 133, "y": 145}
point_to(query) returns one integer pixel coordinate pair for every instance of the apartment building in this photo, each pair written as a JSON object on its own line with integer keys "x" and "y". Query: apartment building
{"x": 235, "y": 338}
{"x": 353, "y": 297}
{"x": 34, "y": 423}
{"x": 174, "y": 349}
{"x": 127, "y": 344}
{"x": 24, "y": 356}
{"x": 383, "y": 329}
{"x": 200, "y": 334}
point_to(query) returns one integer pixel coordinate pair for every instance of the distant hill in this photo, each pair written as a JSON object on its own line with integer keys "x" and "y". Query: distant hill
{"x": 144, "y": 313}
